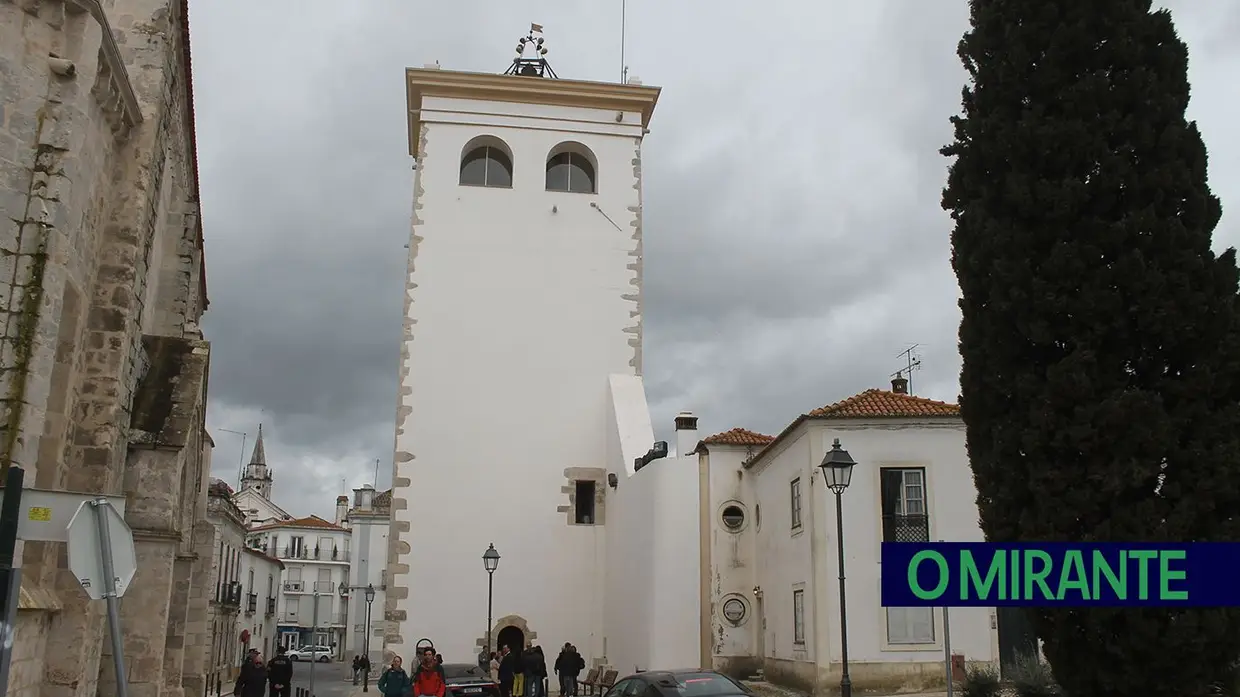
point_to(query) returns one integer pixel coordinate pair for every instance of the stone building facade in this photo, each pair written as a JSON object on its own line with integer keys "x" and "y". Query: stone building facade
{"x": 103, "y": 367}
{"x": 227, "y": 547}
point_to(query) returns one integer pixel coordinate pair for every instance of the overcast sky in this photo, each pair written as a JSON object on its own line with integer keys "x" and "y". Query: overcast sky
{"x": 794, "y": 243}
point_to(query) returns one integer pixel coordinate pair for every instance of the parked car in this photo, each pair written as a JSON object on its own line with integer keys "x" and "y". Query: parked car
{"x": 691, "y": 682}
{"x": 322, "y": 654}
{"x": 469, "y": 680}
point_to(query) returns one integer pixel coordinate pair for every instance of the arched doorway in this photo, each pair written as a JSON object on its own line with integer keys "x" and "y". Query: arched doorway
{"x": 512, "y": 637}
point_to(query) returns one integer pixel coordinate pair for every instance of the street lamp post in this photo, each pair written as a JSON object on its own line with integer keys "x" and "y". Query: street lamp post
{"x": 370, "y": 598}
{"x": 368, "y": 591}
{"x": 490, "y": 562}
{"x": 837, "y": 467}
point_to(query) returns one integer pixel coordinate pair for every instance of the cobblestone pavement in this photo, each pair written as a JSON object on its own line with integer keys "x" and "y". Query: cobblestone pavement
{"x": 330, "y": 679}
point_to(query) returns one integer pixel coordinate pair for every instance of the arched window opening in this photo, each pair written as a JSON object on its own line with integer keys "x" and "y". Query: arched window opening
{"x": 572, "y": 171}
{"x": 487, "y": 165}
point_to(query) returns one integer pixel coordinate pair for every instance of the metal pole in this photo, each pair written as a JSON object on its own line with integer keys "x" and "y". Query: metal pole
{"x": 366, "y": 644}
{"x": 947, "y": 648}
{"x": 490, "y": 597}
{"x": 845, "y": 681}
{"x": 314, "y": 638}
{"x": 109, "y": 595}
{"x": 10, "y": 569}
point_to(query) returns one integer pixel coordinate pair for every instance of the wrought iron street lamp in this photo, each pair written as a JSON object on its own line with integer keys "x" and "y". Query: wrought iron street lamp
{"x": 837, "y": 466}
{"x": 370, "y": 598}
{"x": 490, "y": 562}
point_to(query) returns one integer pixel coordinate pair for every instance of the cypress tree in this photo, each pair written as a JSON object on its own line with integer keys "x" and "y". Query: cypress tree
{"x": 1099, "y": 334}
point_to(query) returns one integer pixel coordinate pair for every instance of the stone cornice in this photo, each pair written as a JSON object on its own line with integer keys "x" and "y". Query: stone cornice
{"x": 116, "y": 64}
{"x": 434, "y": 82}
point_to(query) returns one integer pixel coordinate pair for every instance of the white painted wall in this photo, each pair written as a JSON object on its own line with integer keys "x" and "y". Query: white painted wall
{"x": 732, "y": 552}
{"x": 368, "y": 565}
{"x": 522, "y": 309}
{"x": 653, "y": 570}
{"x": 260, "y": 576}
{"x": 786, "y": 560}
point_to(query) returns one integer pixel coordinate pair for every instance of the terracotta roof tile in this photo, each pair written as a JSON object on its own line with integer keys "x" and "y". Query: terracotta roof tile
{"x": 383, "y": 499}
{"x": 738, "y": 436}
{"x": 310, "y": 522}
{"x": 883, "y": 404}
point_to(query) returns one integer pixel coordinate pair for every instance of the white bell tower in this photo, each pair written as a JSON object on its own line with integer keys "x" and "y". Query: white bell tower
{"x": 524, "y": 296}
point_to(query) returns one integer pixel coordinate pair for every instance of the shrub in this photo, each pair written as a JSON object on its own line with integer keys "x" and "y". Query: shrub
{"x": 981, "y": 681}
{"x": 1033, "y": 678}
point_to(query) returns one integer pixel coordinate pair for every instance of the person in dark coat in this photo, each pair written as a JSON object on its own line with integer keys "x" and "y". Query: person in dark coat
{"x": 280, "y": 673}
{"x": 535, "y": 665}
{"x": 252, "y": 682}
{"x": 507, "y": 670}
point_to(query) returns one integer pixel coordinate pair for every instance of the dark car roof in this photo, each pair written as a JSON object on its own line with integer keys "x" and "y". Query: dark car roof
{"x": 671, "y": 675}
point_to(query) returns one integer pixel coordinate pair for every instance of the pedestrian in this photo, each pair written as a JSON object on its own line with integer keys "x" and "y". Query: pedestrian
{"x": 252, "y": 680}
{"x": 280, "y": 673}
{"x": 395, "y": 682}
{"x": 428, "y": 679}
{"x": 568, "y": 666}
{"x": 357, "y": 667}
{"x": 494, "y": 665}
{"x": 534, "y": 667}
{"x": 365, "y": 666}
{"x": 508, "y": 669}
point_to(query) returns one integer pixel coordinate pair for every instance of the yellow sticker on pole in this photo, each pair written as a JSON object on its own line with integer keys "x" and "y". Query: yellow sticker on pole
{"x": 41, "y": 514}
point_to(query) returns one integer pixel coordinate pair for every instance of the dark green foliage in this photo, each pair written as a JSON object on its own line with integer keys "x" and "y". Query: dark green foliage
{"x": 1100, "y": 343}
{"x": 980, "y": 681}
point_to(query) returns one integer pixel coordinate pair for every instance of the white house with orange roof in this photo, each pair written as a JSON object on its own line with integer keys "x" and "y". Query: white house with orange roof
{"x": 310, "y": 608}
{"x": 774, "y": 600}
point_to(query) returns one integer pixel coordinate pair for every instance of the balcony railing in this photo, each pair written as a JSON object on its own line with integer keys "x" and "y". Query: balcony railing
{"x": 229, "y": 594}
{"x": 251, "y": 603}
{"x": 906, "y": 528}
{"x": 271, "y": 607}
{"x": 320, "y": 587}
{"x": 316, "y": 554}
{"x": 289, "y": 618}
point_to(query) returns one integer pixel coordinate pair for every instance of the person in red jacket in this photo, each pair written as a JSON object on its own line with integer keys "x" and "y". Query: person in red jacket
{"x": 428, "y": 680}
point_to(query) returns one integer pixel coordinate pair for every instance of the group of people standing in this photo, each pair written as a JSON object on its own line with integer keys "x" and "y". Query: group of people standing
{"x": 524, "y": 674}
{"x": 427, "y": 681}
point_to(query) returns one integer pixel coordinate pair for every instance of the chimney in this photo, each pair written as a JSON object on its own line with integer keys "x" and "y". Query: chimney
{"x": 342, "y": 509}
{"x": 899, "y": 384}
{"x": 686, "y": 433}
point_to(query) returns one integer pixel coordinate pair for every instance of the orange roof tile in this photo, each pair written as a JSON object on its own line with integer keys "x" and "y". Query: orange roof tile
{"x": 310, "y": 522}
{"x": 883, "y": 404}
{"x": 738, "y": 436}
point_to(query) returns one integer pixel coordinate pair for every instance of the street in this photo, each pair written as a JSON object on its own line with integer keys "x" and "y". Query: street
{"x": 330, "y": 679}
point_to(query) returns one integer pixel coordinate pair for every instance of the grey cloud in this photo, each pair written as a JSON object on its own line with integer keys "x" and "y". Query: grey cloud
{"x": 794, "y": 240}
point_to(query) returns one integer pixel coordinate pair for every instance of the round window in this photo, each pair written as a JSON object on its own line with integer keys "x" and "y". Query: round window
{"x": 734, "y": 610}
{"x": 733, "y": 517}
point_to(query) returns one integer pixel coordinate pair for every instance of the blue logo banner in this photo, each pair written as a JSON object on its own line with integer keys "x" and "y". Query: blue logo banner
{"x": 981, "y": 574}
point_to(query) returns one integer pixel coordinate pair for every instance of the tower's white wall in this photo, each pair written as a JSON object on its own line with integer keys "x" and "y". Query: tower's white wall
{"x": 520, "y": 303}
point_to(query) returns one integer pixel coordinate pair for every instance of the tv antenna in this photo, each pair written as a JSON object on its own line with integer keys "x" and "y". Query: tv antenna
{"x": 536, "y": 65}
{"x": 912, "y": 361}
{"x": 624, "y": 67}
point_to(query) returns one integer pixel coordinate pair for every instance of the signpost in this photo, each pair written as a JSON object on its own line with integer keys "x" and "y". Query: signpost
{"x": 10, "y": 569}
{"x": 39, "y": 515}
{"x": 102, "y": 557}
